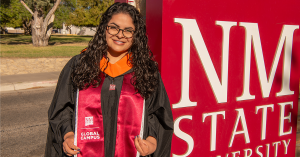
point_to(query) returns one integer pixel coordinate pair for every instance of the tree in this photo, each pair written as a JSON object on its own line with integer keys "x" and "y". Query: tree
{"x": 88, "y": 12}
{"x": 41, "y": 27}
{"x": 13, "y": 14}
{"x": 4, "y": 18}
{"x": 62, "y": 13}
{"x": 27, "y": 26}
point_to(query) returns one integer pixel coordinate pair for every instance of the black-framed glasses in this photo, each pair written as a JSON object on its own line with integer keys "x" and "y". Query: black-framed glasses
{"x": 114, "y": 30}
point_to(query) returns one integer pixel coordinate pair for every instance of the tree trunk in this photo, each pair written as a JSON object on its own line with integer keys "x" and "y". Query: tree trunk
{"x": 38, "y": 36}
{"x": 41, "y": 28}
{"x": 27, "y": 26}
{"x": 40, "y": 31}
{"x": 2, "y": 30}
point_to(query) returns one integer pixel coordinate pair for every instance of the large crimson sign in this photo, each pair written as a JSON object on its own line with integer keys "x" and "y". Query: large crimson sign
{"x": 231, "y": 70}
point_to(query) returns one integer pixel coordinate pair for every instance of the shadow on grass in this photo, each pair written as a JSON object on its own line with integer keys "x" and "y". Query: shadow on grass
{"x": 14, "y": 39}
{"x": 51, "y": 43}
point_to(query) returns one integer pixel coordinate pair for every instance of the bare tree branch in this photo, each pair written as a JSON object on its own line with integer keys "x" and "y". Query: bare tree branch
{"x": 26, "y": 7}
{"x": 50, "y": 26}
{"x": 49, "y": 15}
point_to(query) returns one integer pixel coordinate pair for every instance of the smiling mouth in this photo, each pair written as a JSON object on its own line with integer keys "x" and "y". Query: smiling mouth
{"x": 118, "y": 42}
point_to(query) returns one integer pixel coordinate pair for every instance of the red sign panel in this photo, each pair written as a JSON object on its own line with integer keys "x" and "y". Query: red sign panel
{"x": 231, "y": 70}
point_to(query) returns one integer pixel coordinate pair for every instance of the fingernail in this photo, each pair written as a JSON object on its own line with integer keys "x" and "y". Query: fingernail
{"x": 134, "y": 137}
{"x": 78, "y": 152}
{"x": 78, "y": 149}
{"x": 138, "y": 136}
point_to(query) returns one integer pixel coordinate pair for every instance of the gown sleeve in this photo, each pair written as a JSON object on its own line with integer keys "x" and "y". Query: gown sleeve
{"x": 60, "y": 113}
{"x": 160, "y": 121}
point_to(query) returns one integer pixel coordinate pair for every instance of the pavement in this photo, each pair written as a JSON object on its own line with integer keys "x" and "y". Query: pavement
{"x": 27, "y": 81}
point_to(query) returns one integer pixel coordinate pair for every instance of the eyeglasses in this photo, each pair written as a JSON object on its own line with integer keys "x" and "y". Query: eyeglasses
{"x": 114, "y": 30}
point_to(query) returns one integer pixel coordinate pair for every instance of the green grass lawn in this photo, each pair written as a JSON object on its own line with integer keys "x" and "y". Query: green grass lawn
{"x": 20, "y": 46}
{"x": 29, "y": 51}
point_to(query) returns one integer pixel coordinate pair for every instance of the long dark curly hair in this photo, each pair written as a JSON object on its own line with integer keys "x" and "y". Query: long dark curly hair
{"x": 87, "y": 72}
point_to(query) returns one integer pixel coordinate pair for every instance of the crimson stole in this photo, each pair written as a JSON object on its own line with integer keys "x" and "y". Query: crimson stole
{"x": 89, "y": 134}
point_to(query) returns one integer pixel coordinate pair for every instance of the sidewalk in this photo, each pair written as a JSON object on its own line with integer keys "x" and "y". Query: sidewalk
{"x": 27, "y": 81}
{"x": 46, "y": 79}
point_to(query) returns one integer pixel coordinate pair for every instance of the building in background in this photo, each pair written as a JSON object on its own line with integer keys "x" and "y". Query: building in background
{"x": 77, "y": 30}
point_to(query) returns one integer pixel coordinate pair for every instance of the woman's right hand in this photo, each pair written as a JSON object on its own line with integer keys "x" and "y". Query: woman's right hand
{"x": 68, "y": 145}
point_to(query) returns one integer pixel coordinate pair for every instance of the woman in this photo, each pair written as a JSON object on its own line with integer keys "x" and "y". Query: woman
{"x": 110, "y": 99}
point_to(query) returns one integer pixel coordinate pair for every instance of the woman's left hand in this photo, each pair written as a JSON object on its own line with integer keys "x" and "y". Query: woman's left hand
{"x": 145, "y": 147}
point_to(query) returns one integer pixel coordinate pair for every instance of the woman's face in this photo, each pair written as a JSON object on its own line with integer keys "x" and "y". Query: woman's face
{"x": 118, "y": 43}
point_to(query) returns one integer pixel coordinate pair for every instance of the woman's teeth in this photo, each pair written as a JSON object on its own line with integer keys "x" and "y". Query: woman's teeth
{"x": 119, "y": 41}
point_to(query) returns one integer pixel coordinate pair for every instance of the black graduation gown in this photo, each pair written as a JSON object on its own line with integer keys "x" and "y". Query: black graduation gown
{"x": 158, "y": 120}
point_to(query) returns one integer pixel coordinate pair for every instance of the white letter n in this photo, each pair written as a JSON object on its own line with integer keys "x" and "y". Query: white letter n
{"x": 191, "y": 30}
